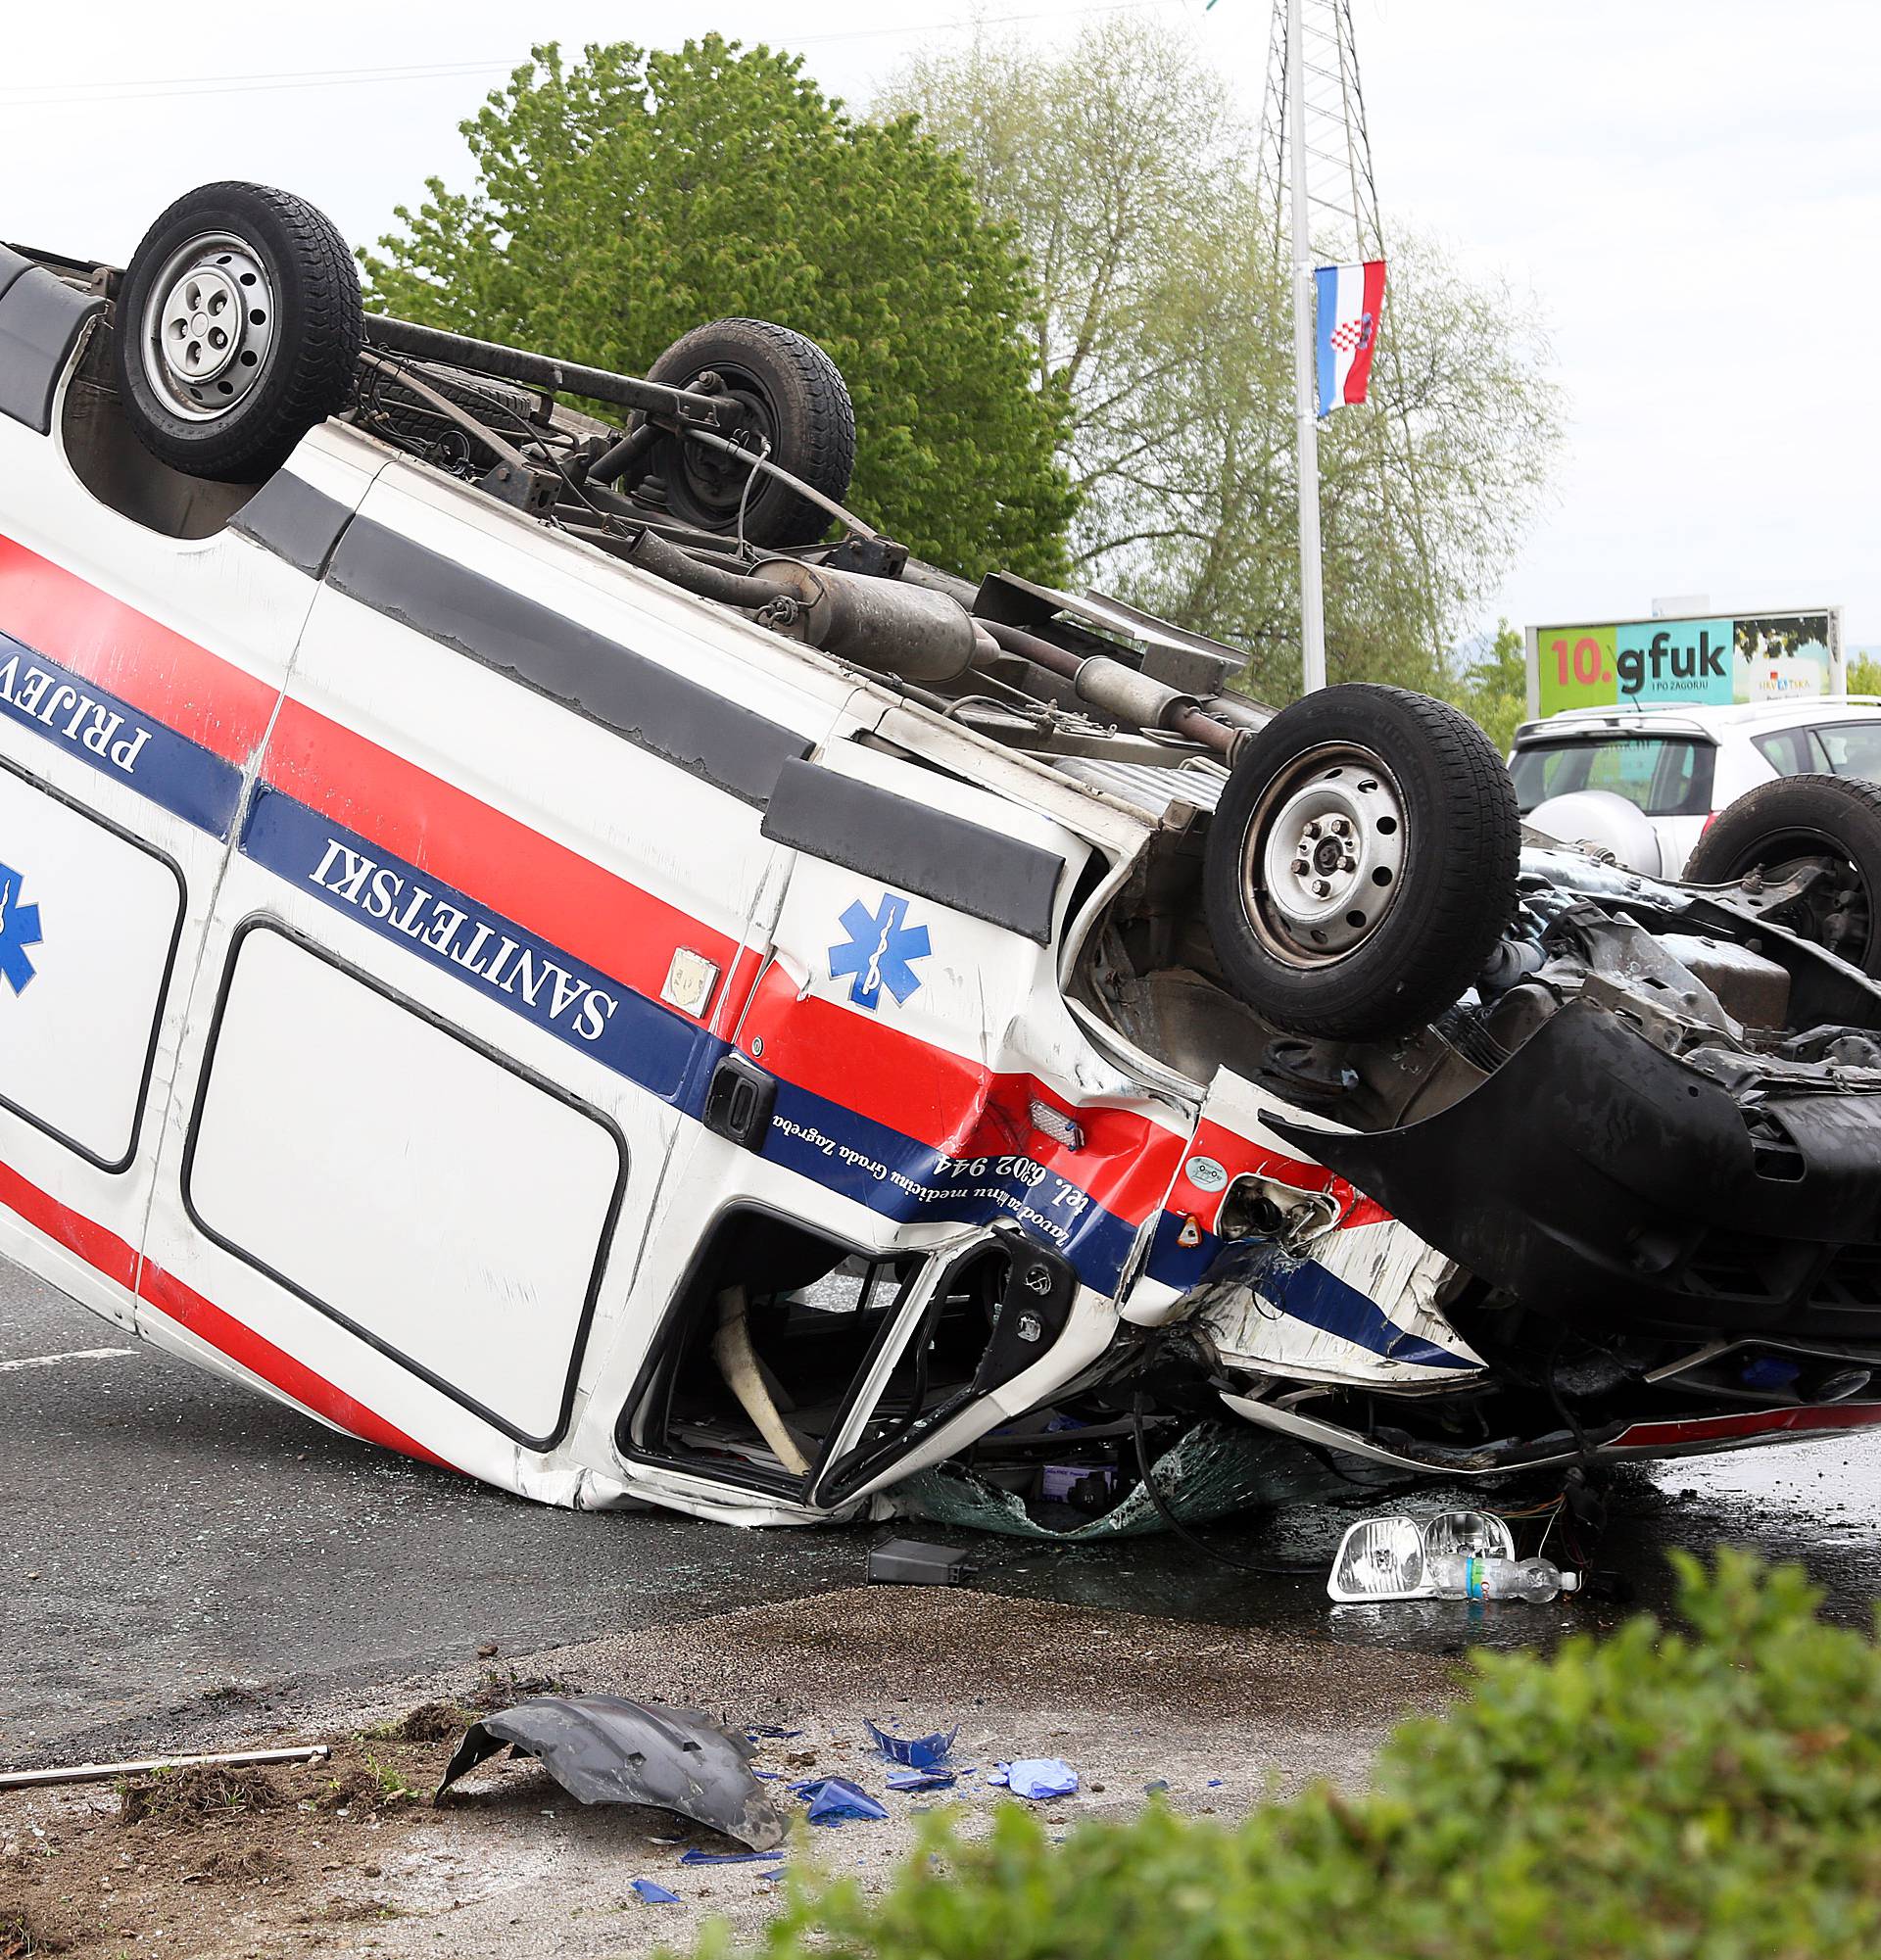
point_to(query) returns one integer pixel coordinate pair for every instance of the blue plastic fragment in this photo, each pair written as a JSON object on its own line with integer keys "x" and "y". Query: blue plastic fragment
{"x": 1150, "y": 1789}
{"x": 699, "y": 1857}
{"x": 1214, "y": 1783}
{"x": 920, "y": 1779}
{"x": 913, "y": 1752}
{"x": 1040, "y": 1777}
{"x": 996, "y": 1775}
{"x": 769, "y": 1775}
{"x": 1768, "y": 1371}
{"x": 770, "y": 1731}
{"x": 834, "y": 1799}
{"x": 771, "y": 1878}
{"x": 650, "y": 1893}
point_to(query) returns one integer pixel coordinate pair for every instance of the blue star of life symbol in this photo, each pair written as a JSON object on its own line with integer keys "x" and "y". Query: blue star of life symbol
{"x": 19, "y": 930}
{"x": 879, "y": 950}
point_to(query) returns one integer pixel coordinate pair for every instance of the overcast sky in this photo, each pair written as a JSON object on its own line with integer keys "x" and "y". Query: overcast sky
{"x": 1691, "y": 190}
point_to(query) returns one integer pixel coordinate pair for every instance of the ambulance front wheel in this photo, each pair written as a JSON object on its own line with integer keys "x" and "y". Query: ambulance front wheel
{"x": 1823, "y": 831}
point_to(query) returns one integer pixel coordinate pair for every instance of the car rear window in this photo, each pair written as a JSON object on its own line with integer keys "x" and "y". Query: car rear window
{"x": 1835, "y": 748}
{"x": 1664, "y": 776}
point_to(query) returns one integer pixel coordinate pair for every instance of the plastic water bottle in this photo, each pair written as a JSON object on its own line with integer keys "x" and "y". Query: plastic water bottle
{"x": 1460, "y": 1575}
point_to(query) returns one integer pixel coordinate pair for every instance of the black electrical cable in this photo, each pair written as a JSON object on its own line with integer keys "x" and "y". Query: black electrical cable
{"x": 1584, "y": 1452}
{"x": 1181, "y": 1530}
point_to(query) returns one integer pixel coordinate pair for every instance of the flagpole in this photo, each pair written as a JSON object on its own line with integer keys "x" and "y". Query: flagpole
{"x": 1312, "y": 602}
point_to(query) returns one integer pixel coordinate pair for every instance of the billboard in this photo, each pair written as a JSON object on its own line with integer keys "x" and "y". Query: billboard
{"x": 1708, "y": 662}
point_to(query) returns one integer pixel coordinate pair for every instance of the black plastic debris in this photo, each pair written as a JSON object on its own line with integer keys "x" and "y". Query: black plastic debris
{"x": 604, "y": 1748}
{"x": 908, "y": 1562}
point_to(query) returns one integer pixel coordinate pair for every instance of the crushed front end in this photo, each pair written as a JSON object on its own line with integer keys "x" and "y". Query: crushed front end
{"x": 1622, "y": 1198}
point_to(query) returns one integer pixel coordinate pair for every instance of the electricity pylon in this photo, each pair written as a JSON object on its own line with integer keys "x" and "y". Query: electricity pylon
{"x": 1315, "y": 171}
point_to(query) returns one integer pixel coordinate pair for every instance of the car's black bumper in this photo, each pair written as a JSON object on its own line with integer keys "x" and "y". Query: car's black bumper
{"x": 1600, "y": 1180}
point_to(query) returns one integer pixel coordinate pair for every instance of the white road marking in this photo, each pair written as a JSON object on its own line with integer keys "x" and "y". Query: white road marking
{"x": 53, "y": 1361}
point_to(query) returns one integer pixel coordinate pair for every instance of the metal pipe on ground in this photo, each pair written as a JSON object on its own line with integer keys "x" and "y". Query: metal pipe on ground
{"x": 41, "y": 1779}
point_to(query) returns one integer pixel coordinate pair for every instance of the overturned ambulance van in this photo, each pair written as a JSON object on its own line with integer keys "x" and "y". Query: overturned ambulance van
{"x": 548, "y": 945}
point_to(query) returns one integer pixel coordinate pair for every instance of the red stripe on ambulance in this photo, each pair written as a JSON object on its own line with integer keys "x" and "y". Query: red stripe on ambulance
{"x": 950, "y": 1103}
{"x": 159, "y": 673}
{"x": 554, "y": 891}
{"x": 117, "y": 1259}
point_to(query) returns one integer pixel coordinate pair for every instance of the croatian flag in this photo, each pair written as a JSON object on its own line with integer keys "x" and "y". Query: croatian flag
{"x": 1350, "y": 301}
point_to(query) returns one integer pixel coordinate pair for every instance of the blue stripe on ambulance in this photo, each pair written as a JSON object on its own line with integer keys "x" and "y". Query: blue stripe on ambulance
{"x": 663, "y": 1053}
{"x": 106, "y": 734}
{"x": 1305, "y": 1292}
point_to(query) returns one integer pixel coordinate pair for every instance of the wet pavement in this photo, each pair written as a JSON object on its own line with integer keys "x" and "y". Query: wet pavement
{"x": 174, "y": 1549}
{"x": 1818, "y": 1502}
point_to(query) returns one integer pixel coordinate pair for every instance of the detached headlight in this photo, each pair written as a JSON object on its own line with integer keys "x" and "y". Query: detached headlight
{"x": 1389, "y": 1557}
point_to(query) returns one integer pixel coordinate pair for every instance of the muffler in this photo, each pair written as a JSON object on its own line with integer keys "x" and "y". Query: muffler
{"x": 894, "y": 628}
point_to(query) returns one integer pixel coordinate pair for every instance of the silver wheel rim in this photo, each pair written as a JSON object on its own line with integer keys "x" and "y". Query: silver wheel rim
{"x": 1324, "y": 860}
{"x": 208, "y": 326}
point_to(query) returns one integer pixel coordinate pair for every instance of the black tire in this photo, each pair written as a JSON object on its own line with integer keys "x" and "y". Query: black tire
{"x": 1430, "y": 885}
{"x": 1836, "y": 818}
{"x": 292, "y": 360}
{"x": 792, "y": 395}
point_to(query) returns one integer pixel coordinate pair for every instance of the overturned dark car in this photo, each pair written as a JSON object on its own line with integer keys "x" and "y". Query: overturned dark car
{"x": 547, "y": 942}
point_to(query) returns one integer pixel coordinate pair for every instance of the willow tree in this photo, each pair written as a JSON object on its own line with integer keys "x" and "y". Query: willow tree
{"x": 1165, "y": 322}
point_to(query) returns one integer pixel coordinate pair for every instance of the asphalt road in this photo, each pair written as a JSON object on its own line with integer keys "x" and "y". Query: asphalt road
{"x": 167, "y": 1535}
{"x": 175, "y": 1549}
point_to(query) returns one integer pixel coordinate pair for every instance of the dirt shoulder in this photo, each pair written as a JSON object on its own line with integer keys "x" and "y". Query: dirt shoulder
{"x": 348, "y": 1857}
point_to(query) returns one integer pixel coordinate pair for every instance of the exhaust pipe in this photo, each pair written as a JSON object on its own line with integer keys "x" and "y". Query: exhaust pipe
{"x": 878, "y": 623}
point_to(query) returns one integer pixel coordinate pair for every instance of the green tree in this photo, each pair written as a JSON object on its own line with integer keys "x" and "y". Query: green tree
{"x": 1165, "y": 320}
{"x": 1492, "y": 688}
{"x": 631, "y": 195}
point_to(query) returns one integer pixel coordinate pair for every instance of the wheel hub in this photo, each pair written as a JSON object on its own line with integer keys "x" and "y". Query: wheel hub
{"x": 208, "y": 326}
{"x": 1324, "y": 866}
{"x": 717, "y": 480}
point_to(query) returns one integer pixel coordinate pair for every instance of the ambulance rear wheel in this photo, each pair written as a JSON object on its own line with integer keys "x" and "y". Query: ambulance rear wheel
{"x": 1360, "y": 865}
{"x": 236, "y": 330}
{"x": 789, "y": 404}
{"x": 1827, "y": 825}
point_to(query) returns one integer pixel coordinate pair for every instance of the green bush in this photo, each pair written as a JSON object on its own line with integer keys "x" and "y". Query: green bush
{"x": 1654, "y": 1793}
